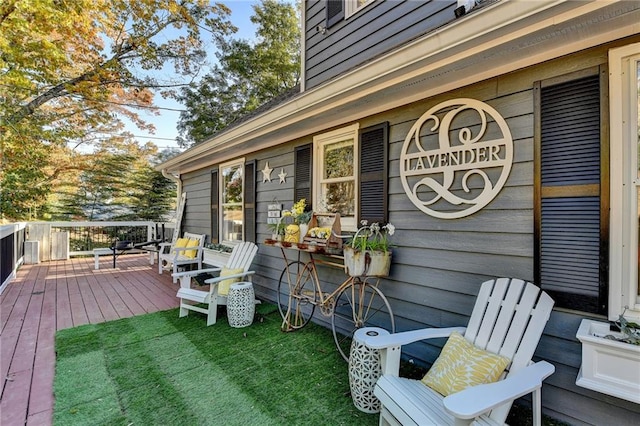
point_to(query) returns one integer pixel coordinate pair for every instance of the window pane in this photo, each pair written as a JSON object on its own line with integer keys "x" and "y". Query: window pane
{"x": 232, "y": 223}
{"x": 231, "y": 201}
{"x": 340, "y": 198}
{"x": 232, "y": 184}
{"x": 338, "y": 159}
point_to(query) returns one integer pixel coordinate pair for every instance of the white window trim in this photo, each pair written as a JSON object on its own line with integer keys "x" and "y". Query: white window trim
{"x": 623, "y": 225}
{"x": 347, "y": 224}
{"x": 237, "y": 162}
{"x": 351, "y": 7}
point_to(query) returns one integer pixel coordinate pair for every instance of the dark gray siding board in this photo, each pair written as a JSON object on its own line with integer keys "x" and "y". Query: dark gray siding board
{"x": 368, "y": 23}
{"x": 197, "y": 216}
{"x": 470, "y": 241}
{"x": 578, "y": 406}
{"x": 350, "y": 42}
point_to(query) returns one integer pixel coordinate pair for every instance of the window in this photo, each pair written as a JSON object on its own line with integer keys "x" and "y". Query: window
{"x": 352, "y": 6}
{"x": 338, "y": 10}
{"x": 335, "y": 172}
{"x": 233, "y": 209}
{"x": 624, "y": 64}
{"x": 350, "y": 174}
{"x": 571, "y": 187}
{"x": 231, "y": 201}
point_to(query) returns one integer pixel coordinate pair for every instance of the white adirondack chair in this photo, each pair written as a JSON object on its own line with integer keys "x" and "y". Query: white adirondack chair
{"x": 170, "y": 256}
{"x": 241, "y": 258}
{"x": 508, "y": 319}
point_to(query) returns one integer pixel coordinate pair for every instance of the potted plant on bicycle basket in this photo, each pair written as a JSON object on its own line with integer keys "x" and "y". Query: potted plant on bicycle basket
{"x": 369, "y": 251}
{"x": 301, "y": 214}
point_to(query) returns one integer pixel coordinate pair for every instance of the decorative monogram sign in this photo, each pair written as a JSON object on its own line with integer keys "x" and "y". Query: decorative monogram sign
{"x": 456, "y": 158}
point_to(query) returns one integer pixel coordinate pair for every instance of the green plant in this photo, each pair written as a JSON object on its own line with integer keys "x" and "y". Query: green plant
{"x": 372, "y": 237}
{"x": 299, "y": 212}
{"x": 277, "y": 228}
{"x": 219, "y": 247}
{"x": 630, "y": 330}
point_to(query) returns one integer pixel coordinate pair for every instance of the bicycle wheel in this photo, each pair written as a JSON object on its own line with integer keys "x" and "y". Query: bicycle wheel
{"x": 296, "y": 295}
{"x": 358, "y": 305}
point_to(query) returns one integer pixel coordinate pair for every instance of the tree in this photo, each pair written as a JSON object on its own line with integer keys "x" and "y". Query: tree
{"x": 71, "y": 71}
{"x": 246, "y": 76}
{"x": 119, "y": 183}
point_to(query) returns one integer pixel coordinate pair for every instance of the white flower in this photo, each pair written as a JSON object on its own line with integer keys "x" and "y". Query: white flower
{"x": 375, "y": 227}
{"x": 364, "y": 222}
{"x": 390, "y": 228}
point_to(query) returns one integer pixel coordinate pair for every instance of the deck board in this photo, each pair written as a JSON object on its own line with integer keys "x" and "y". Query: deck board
{"x": 50, "y": 296}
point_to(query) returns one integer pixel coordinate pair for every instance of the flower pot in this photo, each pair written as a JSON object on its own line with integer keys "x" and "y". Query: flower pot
{"x": 292, "y": 233}
{"x": 608, "y": 366}
{"x": 304, "y": 228}
{"x": 366, "y": 263}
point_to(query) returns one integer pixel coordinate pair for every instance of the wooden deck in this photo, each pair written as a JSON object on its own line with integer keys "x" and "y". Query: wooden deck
{"x": 54, "y": 295}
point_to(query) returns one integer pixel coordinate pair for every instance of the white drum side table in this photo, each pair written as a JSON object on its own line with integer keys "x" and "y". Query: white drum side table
{"x": 241, "y": 304}
{"x": 364, "y": 370}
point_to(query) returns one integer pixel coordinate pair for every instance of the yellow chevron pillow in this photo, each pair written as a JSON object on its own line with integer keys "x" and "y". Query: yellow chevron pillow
{"x": 462, "y": 365}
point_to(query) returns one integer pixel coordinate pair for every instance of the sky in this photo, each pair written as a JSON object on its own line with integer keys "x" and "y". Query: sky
{"x": 165, "y": 123}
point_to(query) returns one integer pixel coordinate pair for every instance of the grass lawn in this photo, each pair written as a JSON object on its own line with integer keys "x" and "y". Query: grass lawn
{"x": 161, "y": 369}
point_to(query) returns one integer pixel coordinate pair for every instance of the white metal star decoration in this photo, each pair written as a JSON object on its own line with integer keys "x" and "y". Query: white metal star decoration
{"x": 283, "y": 176}
{"x": 266, "y": 173}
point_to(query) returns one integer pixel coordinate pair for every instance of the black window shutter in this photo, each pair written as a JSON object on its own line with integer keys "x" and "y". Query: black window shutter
{"x": 335, "y": 12}
{"x": 373, "y": 142}
{"x": 569, "y": 229}
{"x": 250, "y": 201}
{"x": 303, "y": 166}
{"x": 215, "y": 210}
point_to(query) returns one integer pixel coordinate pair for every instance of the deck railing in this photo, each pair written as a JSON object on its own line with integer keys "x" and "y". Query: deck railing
{"x": 60, "y": 240}
{"x": 12, "y": 239}
{"x": 86, "y": 236}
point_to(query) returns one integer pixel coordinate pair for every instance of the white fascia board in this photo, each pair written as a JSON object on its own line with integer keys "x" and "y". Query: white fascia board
{"x": 465, "y": 37}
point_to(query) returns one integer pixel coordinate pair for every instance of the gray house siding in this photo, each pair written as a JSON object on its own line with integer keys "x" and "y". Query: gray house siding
{"x": 438, "y": 265}
{"x": 197, "y": 213}
{"x": 350, "y": 43}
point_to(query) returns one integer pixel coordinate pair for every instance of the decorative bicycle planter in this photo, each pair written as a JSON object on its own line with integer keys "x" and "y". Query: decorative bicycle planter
{"x": 366, "y": 263}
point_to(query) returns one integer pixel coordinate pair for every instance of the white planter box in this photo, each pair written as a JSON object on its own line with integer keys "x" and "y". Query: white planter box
{"x": 214, "y": 257}
{"x": 608, "y": 366}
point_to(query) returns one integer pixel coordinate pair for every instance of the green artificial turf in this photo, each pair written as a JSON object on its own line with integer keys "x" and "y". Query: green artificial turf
{"x": 161, "y": 369}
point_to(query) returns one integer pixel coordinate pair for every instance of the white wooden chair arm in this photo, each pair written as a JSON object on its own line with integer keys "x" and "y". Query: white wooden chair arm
{"x": 477, "y": 400}
{"x": 216, "y": 280}
{"x": 195, "y": 272}
{"x": 406, "y": 337}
